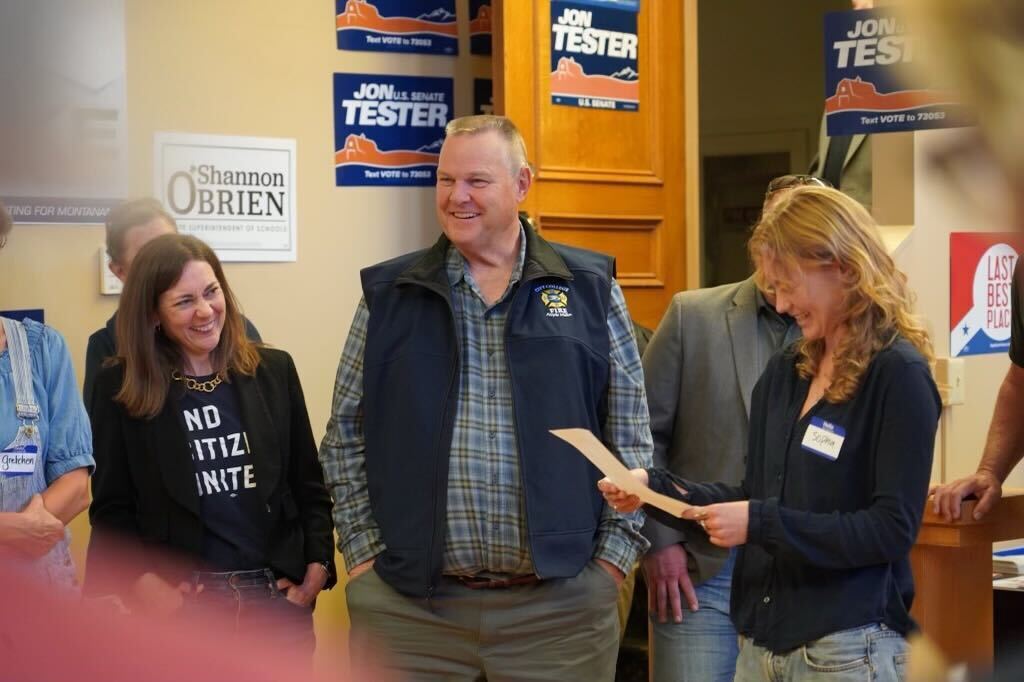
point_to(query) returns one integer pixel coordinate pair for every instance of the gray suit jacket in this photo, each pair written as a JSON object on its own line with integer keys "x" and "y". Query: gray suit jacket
{"x": 700, "y": 369}
{"x": 855, "y": 179}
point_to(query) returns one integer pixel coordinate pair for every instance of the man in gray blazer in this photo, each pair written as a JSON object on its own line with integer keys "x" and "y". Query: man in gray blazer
{"x": 700, "y": 369}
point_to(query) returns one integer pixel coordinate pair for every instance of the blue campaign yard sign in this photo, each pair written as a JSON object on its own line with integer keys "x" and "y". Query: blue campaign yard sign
{"x": 424, "y": 26}
{"x": 866, "y": 86}
{"x": 36, "y": 314}
{"x": 388, "y": 130}
{"x": 480, "y": 26}
{"x": 594, "y": 50}
{"x": 483, "y": 96}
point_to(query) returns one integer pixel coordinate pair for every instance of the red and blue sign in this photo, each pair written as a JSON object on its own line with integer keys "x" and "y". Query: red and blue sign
{"x": 980, "y": 277}
{"x": 594, "y": 49}
{"x": 388, "y": 130}
{"x": 866, "y": 86}
{"x": 424, "y": 26}
{"x": 480, "y": 26}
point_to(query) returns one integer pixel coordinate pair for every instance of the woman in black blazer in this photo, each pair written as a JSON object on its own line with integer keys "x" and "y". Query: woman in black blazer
{"x": 207, "y": 491}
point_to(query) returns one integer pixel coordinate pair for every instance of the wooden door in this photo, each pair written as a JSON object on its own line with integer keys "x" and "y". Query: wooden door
{"x": 611, "y": 181}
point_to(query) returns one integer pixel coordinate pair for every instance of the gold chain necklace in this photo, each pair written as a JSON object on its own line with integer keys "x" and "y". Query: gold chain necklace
{"x": 193, "y": 385}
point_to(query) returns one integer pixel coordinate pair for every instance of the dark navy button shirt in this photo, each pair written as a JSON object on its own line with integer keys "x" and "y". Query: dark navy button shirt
{"x": 829, "y": 540}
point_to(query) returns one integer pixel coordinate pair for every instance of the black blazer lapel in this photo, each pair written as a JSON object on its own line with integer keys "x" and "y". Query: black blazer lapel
{"x": 260, "y": 433}
{"x": 167, "y": 440}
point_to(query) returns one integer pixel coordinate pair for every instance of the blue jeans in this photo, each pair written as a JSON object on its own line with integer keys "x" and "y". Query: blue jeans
{"x": 872, "y": 652}
{"x": 703, "y": 647}
{"x": 250, "y": 603}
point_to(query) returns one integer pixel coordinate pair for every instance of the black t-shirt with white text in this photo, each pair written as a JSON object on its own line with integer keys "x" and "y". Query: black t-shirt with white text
{"x": 234, "y": 536}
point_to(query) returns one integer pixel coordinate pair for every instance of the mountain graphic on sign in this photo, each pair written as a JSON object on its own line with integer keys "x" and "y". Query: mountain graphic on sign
{"x": 859, "y": 95}
{"x": 360, "y": 150}
{"x": 439, "y": 14}
{"x": 363, "y": 15}
{"x": 569, "y": 79}
{"x": 433, "y": 148}
{"x": 626, "y": 73}
{"x": 481, "y": 23}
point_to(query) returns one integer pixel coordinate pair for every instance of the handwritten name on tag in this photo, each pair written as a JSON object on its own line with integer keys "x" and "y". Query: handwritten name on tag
{"x": 823, "y": 438}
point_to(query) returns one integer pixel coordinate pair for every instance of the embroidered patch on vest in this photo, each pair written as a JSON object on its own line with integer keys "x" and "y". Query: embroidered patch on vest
{"x": 555, "y": 298}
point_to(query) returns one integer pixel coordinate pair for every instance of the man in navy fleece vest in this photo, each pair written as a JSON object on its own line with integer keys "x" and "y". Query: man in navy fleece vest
{"x": 491, "y": 550}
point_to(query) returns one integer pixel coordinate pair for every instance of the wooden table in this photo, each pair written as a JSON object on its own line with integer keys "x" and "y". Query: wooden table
{"x": 952, "y": 565}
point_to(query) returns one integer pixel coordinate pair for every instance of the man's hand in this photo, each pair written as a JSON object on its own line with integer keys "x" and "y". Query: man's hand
{"x": 665, "y": 572}
{"x": 949, "y": 497}
{"x": 304, "y": 594}
{"x": 359, "y": 569}
{"x": 38, "y": 529}
{"x": 613, "y": 570}
{"x": 726, "y": 523}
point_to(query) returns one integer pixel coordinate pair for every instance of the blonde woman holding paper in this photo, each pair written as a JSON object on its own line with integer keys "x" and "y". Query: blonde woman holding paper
{"x": 841, "y": 434}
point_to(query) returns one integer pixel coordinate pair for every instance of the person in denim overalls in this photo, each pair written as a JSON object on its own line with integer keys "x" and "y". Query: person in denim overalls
{"x": 45, "y": 448}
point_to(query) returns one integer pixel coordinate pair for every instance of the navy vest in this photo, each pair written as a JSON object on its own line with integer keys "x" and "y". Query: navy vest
{"x": 557, "y": 348}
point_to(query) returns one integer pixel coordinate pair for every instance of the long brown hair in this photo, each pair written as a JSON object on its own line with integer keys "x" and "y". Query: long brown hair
{"x": 146, "y": 353}
{"x": 823, "y": 226}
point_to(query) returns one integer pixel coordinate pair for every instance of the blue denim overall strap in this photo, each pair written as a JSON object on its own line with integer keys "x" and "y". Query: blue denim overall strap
{"x": 16, "y": 491}
{"x": 21, "y": 367}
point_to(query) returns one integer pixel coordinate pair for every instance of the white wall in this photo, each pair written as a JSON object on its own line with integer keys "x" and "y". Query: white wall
{"x": 762, "y": 73}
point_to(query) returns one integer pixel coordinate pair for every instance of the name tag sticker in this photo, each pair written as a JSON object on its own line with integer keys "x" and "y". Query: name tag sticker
{"x": 824, "y": 438}
{"x": 19, "y": 460}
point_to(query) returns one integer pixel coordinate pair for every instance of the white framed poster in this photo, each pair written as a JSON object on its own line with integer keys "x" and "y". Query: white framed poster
{"x": 235, "y": 193}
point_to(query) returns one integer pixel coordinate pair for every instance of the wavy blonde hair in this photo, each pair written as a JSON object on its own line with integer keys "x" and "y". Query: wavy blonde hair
{"x": 819, "y": 226}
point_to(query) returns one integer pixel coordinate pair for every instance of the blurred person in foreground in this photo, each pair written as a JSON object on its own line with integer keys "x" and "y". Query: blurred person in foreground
{"x": 842, "y": 426}
{"x": 979, "y": 46}
{"x": 45, "y": 636}
{"x": 45, "y": 447}
{"x": 204, "y": 447}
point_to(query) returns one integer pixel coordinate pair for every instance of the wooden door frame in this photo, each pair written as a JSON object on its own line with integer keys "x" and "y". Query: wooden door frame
{"x": 691, "y": 127}
{"x": 691, "y": 145}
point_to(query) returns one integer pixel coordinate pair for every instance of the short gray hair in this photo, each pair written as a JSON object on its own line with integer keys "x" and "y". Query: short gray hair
{"x": 481, "y": 123}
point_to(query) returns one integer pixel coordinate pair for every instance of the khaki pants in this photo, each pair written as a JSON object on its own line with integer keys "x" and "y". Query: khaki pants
{"x": 555, "y": 630}
{"x": 625, "y": 601}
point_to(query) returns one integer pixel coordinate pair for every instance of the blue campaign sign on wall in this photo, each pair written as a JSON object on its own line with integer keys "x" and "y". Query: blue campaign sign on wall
{"x": 425, "y": 26}
{"x": 36, "y": 314}
{"x": 483, "y": 96}
{"x": 594, "y": 49}
{"x": 866, "y": 86}
{"x": 388, "y": 130}
{"x": 479, "y": 26}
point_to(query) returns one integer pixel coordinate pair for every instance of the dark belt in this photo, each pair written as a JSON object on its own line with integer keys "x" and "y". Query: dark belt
{"x": 480, "y": 583}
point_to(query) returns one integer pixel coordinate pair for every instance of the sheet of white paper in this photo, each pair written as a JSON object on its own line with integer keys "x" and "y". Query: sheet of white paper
{"x": 601, "y": 457}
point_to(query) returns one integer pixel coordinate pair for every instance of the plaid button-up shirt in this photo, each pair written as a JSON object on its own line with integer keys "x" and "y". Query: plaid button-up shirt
{"x": 486, "y": 519}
